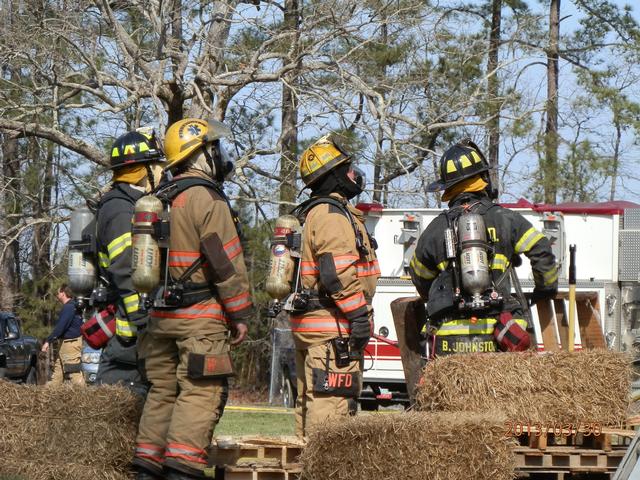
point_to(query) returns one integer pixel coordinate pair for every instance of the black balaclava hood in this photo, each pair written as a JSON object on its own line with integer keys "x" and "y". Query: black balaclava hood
{"x": 337, "y": 181}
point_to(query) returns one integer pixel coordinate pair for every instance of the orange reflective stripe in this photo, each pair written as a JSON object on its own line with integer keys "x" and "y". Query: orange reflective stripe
{"x": 238, "y": 302}
{"x": 319, "y": 324}
{"x": 182, "y": 259}
{"x": 210, "y": 310}
{"x": 309, "y": 268}
{"x": 178, "y": 450}
{"x": 342, "y": 262}
{"x": 367, "y": 269}
{"x": 152, "y": 452}
{"x": 352, "y": 303}
{"x": 233, "y": 248}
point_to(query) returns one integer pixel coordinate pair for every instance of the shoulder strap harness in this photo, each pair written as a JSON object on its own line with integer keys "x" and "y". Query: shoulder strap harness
{"x": 302, "y": 210}
{"x": 167, "y": 192}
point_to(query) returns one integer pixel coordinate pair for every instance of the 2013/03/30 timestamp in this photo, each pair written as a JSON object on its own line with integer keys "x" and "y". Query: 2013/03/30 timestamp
{"x": 515, "y": 429}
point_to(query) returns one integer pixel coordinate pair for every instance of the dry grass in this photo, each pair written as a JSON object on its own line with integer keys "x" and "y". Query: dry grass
{"x": 411, "y": 446}
{"x": 70, "y": 432}
{"x": 587, "y": 386}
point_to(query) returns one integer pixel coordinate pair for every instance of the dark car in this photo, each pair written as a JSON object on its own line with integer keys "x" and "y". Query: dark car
{"x": 18, "y": 352}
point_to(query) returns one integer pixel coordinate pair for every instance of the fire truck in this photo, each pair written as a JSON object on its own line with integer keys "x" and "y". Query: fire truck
{"x": 607, "y": 237}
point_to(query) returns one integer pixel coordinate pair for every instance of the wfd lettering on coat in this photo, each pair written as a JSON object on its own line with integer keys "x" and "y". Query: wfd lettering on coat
{"x": 337, "y": 380}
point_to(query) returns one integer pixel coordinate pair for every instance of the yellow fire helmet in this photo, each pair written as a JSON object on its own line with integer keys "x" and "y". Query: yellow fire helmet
{"x": 186, "y": 136}
{"x": 321, "y": 157}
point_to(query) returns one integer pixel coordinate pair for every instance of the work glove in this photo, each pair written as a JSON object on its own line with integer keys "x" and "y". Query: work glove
{"x": 542, "y": 294}
{"x": 360, "y": 333}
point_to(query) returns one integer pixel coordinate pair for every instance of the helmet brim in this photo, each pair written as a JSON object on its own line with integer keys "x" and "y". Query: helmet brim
{"x": 436, "y": 186}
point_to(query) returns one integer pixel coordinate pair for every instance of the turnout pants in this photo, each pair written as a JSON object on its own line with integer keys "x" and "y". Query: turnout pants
{"x": 67, "y": 365}
{"x": 325, "y": 391}
{"x": 180, "y": 412}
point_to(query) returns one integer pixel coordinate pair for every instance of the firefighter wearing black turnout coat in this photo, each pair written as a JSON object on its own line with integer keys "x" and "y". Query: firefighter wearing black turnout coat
{"x": 136, "y": 163}
{"x": 493, "y": 319}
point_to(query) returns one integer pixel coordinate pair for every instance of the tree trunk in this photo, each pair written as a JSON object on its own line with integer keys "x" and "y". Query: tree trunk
{"x": 9, "y": 194}
{"x": 616, "y": 157}
{"x": 378, "y": 186}
{"x": 550, "y": 162}
{"x": 41, "y": 242}
{"x": 493, "y": 86}
{"x": 289, "y": 128}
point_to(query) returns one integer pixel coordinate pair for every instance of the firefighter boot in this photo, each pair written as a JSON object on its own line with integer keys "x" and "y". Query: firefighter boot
{"x": 175, "y": 470}
{"x": 143, "y": 475}
{"x": 146, "y": 470}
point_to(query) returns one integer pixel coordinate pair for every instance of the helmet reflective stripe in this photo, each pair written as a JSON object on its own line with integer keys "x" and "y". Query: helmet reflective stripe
{"x": 135, "y": 147}
{"x": 459, "y": 162}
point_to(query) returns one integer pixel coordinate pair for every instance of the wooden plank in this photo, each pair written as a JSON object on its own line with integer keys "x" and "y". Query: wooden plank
{"x": 409, "y": 316}
{"x": 562, "y": 320}
{"x": 547, "y": 325}
{"x": 588, "y": 311}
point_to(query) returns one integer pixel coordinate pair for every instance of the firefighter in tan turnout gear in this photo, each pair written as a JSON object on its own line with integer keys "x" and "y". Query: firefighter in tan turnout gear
{"x": 186, "y": 352}
{"x": 462, "y": 265}
{"x": 333, "y": 318}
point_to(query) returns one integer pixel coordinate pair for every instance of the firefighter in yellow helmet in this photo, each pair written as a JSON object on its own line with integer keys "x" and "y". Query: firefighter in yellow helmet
{"x": 339, "y": 270}
{"x": 467, "y": 286}
{"x": 204, "y": 308}
{"x": 136, "y": 161}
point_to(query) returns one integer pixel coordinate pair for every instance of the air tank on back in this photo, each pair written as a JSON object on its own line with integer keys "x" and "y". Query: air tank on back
{"x": 81, "y": 269}
{"x": 282, "y": 267}
{"x": 474, "y": 264}
{"x": 145, "y": 257}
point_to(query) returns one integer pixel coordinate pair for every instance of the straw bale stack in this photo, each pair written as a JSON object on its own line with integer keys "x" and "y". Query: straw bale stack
{"x": 411, "y": 446}
{"x": 587, "y": 386}
{"x": 68, "y": 431}
{"x": 36, "y": 469}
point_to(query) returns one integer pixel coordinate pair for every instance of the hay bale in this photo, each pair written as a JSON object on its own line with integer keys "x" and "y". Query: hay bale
{"x": 54, "y": 431}
{"x": 587, "y": 386}
{"x": 411, "y": 446}
{"x": 38, "y": 470}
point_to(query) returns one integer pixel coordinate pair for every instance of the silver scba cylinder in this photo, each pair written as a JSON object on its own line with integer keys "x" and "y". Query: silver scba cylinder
{"x": 81, "y": 269}
{"x": 474, "y": 264}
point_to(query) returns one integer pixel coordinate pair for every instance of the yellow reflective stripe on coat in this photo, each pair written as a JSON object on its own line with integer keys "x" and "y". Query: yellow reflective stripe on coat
{"x": 528, "y": 240}
{"x": 119, "y": 245}
{"x": 483, "y": 326}
{"x": 125, "y": 328}
{"x": 131, "y": 303}
{"x": 551, "y": 276}
{"x": 499, "y": 262}
{"x": 420, "y": 270}
{"x": 103, "y": 260}
{"x": 442, "y": 265}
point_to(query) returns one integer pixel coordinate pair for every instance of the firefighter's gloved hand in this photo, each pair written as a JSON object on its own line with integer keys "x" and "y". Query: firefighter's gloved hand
{"x": 360, "y": 333}
{"x": 542, "y": 294}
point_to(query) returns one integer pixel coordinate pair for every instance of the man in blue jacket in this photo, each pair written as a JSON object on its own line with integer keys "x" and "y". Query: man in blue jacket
{"x": 67, "y": 329}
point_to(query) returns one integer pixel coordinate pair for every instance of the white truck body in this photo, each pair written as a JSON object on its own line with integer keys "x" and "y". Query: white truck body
{"x": 607, "y": 236}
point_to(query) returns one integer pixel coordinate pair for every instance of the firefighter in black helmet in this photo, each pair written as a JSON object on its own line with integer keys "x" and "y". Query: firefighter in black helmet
{"x": 136, "y": 161}
{"x": 491, "y": 319}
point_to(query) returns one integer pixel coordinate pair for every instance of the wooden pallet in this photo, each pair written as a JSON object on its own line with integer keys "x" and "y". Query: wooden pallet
{"x": 255, "y": 458}
{"x": 554, "y": 475}
{"x": 258, "y": 473}
{"x": 567, "y": 459}
{"x": 589, "y": 437}
{"x": 276, "y": 458}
